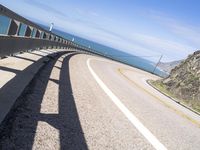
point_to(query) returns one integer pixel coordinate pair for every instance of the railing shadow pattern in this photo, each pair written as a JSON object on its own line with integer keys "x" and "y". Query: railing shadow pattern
{"x": 19, "y": 129}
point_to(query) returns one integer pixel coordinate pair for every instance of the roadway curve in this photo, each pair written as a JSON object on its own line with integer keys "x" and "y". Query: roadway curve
{"x": 79, "y": 101}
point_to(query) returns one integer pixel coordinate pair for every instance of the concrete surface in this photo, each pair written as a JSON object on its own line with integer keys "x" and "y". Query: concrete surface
{"x": 15, "y": 74}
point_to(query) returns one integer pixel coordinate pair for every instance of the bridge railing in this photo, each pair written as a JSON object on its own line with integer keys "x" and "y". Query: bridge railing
{"x": 19, "y": 34}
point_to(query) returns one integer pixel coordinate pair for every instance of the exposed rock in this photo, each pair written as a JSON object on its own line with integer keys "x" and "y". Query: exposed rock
{"x": 184, "y": 80}
{"x": 168, "y": 66}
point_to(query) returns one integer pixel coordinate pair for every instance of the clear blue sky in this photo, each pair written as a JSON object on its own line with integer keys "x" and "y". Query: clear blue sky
{"x": 140, "y": 27}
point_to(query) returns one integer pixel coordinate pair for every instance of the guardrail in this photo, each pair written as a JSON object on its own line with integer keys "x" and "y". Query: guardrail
{"x": 10, "y": 45}
{"x": 18, "y": 34}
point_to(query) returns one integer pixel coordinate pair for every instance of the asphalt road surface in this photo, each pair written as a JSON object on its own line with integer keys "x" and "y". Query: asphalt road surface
{"x": 79, "y": 101}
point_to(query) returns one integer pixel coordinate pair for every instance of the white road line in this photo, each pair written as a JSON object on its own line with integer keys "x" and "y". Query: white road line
{"x": 140, "y": 127}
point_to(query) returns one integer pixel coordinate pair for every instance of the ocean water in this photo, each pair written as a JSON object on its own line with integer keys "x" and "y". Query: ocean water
{"x": 118, "y": 55}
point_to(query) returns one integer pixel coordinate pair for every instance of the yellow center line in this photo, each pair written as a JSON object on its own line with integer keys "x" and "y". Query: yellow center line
{"x": 120, "y": 71}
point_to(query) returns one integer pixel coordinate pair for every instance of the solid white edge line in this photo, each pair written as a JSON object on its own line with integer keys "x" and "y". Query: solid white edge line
{"x": 140, "y": 127}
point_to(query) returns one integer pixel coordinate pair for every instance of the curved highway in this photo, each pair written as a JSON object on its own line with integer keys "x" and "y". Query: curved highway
{"x": 79, "y": 101}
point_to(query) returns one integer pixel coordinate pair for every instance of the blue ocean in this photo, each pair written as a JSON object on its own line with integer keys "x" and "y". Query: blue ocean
{"x": 118, "y": 55}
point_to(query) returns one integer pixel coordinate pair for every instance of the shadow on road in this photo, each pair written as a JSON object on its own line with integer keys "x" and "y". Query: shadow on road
{"x": 9, "y": 70}
{"x": 19, "y": 128}
{"x": 24, "y": 58}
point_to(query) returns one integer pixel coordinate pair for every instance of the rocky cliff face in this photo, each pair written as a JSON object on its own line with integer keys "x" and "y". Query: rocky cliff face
{"x": 184, "y": 80}
{"x": 168, "y": 66}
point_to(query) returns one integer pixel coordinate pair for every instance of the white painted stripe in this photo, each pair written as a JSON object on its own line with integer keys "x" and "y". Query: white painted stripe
{"x": 140, "y": 127}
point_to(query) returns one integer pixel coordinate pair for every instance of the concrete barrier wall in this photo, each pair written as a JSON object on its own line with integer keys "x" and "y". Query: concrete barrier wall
{"x": 10, "y": 45}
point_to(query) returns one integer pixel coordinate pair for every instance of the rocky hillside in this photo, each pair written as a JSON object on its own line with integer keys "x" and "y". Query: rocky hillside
{"x": 184, "y": 81}
{"x": 168, "y": 66}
